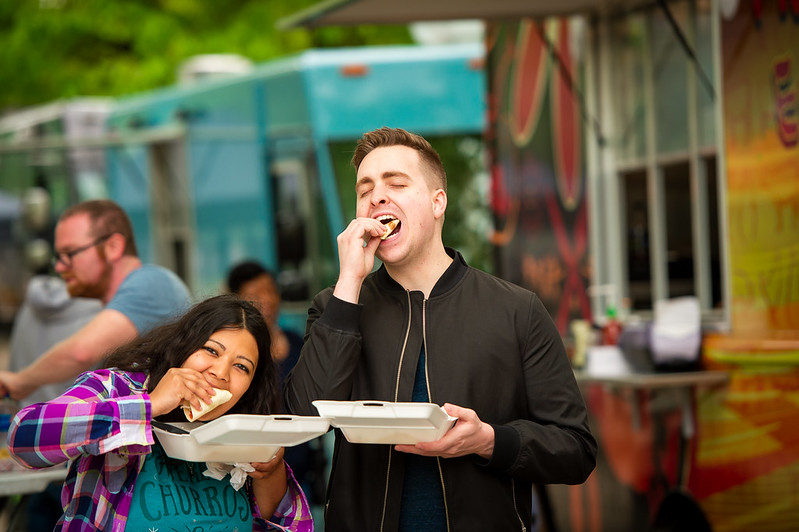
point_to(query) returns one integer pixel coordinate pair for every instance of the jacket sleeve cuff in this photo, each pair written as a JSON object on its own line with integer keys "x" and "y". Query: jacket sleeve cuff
{"x": 133, "y": 434}
{"x": 342, "y": 315}
{"x": 506, "y": 448}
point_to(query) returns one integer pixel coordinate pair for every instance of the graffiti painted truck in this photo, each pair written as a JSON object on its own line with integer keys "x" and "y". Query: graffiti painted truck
{"x": 647, "y": 152}
{"x": 257, "y": 165}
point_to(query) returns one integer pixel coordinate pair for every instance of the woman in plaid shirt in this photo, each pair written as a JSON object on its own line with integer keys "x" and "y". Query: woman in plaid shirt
{"x": 119, "y": 477}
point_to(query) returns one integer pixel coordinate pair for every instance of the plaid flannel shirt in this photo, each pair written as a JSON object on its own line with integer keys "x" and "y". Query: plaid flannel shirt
{"x": 102, "y": 426}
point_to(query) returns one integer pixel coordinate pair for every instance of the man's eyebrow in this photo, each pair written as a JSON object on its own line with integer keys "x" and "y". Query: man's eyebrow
{"x": 394, "y": 173}
{"x": 363, "y": 180}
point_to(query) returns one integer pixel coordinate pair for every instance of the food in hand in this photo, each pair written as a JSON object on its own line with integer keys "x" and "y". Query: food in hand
{"x": 390, "y": 226}
{"x": 193, "y": 414}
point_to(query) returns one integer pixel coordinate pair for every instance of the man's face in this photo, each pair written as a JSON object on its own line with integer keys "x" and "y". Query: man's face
{"x": 89, "y": 272}
{"x": 391, "y": 183}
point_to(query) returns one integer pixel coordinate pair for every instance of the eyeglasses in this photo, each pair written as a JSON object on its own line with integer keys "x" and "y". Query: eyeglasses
{"x": 65, "y": 257}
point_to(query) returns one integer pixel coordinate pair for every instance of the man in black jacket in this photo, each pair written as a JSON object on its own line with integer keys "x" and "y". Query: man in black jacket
{"x": 426, "y": 327}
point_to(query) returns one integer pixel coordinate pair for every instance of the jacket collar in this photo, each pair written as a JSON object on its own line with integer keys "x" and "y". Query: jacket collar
{"x": 445, "y": 283}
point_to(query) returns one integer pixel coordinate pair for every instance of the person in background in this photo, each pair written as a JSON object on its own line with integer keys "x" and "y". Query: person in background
{"x": 426, "y": 327}
{"x": 47, "y": 315}
{"x": 96, "y": 256}
{"x": 251, "y": 281}
{"x": 120, "y": 477}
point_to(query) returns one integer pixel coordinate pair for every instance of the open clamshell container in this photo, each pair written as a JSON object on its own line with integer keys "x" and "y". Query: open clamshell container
{"x": 387, "y": 422}
{"x": 240, "y": 437}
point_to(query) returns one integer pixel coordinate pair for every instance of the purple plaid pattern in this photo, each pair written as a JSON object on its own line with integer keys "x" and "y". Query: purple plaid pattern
{"x": 102, "y": 425}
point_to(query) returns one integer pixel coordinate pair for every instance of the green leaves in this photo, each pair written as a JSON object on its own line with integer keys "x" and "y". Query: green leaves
{"x": 55, "y": 49}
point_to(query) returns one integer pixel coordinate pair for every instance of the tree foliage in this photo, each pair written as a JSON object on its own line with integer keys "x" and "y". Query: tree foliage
{"x": 55, "y": 49}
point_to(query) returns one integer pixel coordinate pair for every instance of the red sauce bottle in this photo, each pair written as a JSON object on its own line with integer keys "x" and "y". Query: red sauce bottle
{"x": 612, "y": 328}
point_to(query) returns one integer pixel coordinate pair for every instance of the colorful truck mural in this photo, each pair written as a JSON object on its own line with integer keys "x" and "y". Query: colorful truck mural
{"x": 746, "y": 473}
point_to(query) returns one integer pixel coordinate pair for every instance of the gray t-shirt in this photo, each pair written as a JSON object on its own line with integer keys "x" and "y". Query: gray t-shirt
{"x": 151, "y": 296}
{"x": 47, "y": 316}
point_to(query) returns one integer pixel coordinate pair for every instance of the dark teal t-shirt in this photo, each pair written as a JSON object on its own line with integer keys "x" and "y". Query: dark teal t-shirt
{"x": 175, "y": 495}
{"x": 422, "y": 505}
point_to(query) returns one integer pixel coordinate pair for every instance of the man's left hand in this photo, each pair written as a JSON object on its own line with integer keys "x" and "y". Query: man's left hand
{"x": 468, "y": 436}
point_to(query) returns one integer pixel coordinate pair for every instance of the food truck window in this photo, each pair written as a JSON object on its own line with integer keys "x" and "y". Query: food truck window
{"x": 291, "y": 214}
{"x": 665, "y": 155}
{"x": 669, "y": 74}
{"x": 679, "y": 238}
{"x": 307, "y": 261}
{"x": 639, "y": 270}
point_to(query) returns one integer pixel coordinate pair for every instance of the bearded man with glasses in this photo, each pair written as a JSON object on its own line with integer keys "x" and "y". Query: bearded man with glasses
{"x": 96, "y": 256}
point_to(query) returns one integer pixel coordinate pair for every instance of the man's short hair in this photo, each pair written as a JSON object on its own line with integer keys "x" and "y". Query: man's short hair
{"x": 387, "y": 136}
{"x": 243, "y": 273}
{"x": 106, "y": 218}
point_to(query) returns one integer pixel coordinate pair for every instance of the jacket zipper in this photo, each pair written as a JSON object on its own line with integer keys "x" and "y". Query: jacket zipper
{"x": 396, "y": 395}
{"x": 516, "y": 508}
{"x": 430, "y": 398}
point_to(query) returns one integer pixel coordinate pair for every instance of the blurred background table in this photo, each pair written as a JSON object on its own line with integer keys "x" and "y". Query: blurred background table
{"x": 29, "y": 481}
{"x": 17, "y": 485}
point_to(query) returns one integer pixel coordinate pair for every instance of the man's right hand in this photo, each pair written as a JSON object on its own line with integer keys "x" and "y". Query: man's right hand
{"x": 357, "y": 245}
{"x": 13, "y": 385}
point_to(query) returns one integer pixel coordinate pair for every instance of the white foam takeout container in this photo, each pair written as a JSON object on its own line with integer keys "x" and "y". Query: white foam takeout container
{"x": 240, "y": 437}
{"x": 387, "y": 422}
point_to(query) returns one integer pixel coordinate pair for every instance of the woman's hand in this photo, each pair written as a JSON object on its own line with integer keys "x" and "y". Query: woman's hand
{"x": 269, "y": 483}
{"x": 266, "y": 469}
{"x": 180, "y": 385}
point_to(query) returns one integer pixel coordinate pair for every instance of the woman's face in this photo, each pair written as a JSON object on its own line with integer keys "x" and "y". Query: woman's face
{"x": 227, "y": 360}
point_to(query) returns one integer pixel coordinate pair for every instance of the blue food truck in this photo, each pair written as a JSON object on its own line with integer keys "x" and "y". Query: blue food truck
{"x": 256, "y": 165}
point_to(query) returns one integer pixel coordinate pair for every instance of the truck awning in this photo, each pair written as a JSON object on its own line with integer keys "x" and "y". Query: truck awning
{"x": 354, "y": 12}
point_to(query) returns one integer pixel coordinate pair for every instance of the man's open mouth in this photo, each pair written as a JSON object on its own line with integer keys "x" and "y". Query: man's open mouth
{"x": 391, "y": 224}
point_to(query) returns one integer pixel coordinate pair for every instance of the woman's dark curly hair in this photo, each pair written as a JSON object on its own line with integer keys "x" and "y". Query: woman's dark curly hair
{"x": 170, "y": 345}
